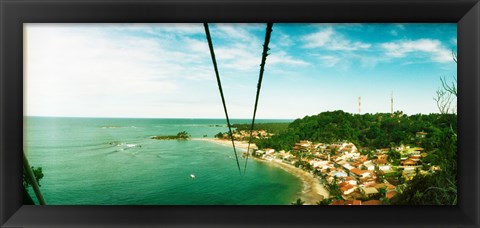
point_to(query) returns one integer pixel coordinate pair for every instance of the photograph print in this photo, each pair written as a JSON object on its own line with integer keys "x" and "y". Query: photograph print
{"x": 240, "y": 114}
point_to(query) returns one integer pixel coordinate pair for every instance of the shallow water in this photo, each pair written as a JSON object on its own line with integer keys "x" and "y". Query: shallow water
{"x": 102, "y": 161}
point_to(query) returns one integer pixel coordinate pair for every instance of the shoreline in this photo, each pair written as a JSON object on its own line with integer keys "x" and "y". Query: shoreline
{"x": 312, "y": 190}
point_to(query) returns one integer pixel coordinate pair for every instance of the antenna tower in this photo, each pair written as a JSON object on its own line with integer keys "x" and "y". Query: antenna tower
{"x": 359, "y": 105}
{"x": 391, "y": 103}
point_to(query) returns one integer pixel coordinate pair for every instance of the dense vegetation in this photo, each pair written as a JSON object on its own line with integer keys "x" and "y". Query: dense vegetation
{"x": 274, "y": 128}
{"x": 183, "y": 135}
{"x": 37, "y": 172}
{"x": 372, "y": 131}
{"x": 271, "y": 128}
{"x": 379, "y": 130}
{"x": 439, "y": 188}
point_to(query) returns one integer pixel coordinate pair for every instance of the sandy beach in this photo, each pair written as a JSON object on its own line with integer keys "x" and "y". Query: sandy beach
{"x": 242, "y": 145}
{"x": 312, "y": 192}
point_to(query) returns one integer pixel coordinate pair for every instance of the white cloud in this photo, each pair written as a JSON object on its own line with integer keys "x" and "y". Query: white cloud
{"x": 242, "y": 50}
{"x": 238, "y": 57}
{"x": 318, "y": 39}
{"x": 331, "y": 40}
{"x": 454, "y": 41}
{"x": 237, "y": 32}
{"x": 165, "y": 70}
{"x": 281, "y": 57}
{"x": 106, "y": 69}
{"x": 403, "y": 48}
{"x": 179, "y": 28}
{"x": 284, "y": 40}
{"x": 328, "y": 60}
{"x": 82, "y": 68}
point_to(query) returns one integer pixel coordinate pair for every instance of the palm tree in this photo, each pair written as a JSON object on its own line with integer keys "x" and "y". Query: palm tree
{"x": 183, "y": 135}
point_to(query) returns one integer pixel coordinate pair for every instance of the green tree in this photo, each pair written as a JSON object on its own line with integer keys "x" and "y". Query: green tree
{"x": 183, "y": 135}
{"x": 298, "y": 202}
{"x": 432, "y": 189}
{"x": 219, "y": 135}
{"x": 325, "y": 202}
{"x": 382, "y": 192}
{"x": 37, "y": 172}
{"x": 439, "y": 188}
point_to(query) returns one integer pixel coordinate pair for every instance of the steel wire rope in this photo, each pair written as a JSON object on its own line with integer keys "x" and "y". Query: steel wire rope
{"x": 212, "y": 54}
{"x": 259, "y": 85}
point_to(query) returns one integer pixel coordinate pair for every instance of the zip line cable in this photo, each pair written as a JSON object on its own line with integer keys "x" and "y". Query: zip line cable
{"x": 212, "y": 53}
{"x": 259, "y": 85}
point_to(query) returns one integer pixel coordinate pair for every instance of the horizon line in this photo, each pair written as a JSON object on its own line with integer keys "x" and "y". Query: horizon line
{"x": 123, "y": 117}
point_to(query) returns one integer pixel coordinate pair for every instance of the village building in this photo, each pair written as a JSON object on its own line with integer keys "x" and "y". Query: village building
{"x": 359, "y": 173}
{"x": 348, "y": 167}
{"x": 355, "y": 174}
{"x": 303, "y": 146}
{"x": 369, "y": 165}
{"x": 372, "y": 202}
{"x": 408, "y": 162}
{"x": 382, "y": 159}
{"x": 347, "y": 189}
{"x": 340, "y": 174}
{"x": 369, "y": 190}
{"x": 269, "y": 151}
{"x": 390, "y": 194}
{"x": 350, "y": 180}
{"x": 259, "y": 152}
{"x": 368, "y": 181}
{"x": 355, "y": 202}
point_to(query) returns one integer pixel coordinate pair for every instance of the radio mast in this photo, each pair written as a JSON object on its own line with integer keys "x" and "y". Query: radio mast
{"x": 391, "y": 103}
{"x": 359, "y": 105}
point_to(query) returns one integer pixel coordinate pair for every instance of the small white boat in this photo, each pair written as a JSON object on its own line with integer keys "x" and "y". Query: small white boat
{"x": 192, "y": 176}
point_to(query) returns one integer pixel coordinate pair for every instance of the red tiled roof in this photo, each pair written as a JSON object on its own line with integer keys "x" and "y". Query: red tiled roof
{"x": 372, "y": 202}
{"x": 381, "y": 161}
{"x": 356, "y": 163}
{"x": 390, "y": 194}
{"x": 338, "y": 202}
{"x": 408, "y": 162}
{"x": 357, "y": 202}
{"x": 390, "y": 187}
{"x": 346, "y": 187}
{"x": 358, "y": 171}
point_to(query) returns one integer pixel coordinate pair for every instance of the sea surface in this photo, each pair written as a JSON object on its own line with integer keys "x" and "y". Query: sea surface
{"x": 113, "y": 161}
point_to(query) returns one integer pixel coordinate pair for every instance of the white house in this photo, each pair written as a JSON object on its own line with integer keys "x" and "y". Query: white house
{"x": 385, "y": 167}
{"x": 369, "y": 165}
{"x": 348, "y": 166}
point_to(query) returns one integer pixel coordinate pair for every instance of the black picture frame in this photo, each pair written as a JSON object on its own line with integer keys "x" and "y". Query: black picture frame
{"x": 466, "y": 13}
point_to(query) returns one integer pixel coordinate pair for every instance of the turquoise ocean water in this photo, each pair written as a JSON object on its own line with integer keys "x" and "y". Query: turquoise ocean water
{"x": 113, "y": 161}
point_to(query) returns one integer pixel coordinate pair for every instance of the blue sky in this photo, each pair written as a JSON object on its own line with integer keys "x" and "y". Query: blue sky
{"x": 165, "y": 70}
